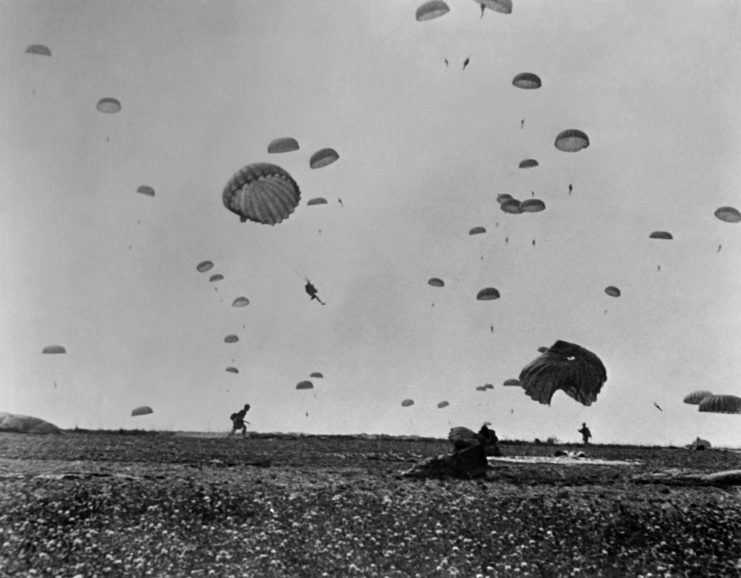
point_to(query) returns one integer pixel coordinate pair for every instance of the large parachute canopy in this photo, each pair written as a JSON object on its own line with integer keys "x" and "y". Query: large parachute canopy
{"x": 145, "y": 190}
{"x": 696, "y": 397}
{"x": 728, "y": 214}
{"x": 612, "y": 291}
{"x": 204, "y": 266}
{"x": 532, "y": 206}
{"x": 721, "y": 404}
{"x": 501, "y": 6}
{"x": 141, "y": 410}
{"x": 261, "y": 192}
{"x": 317, "y": 201}
{"x": 231, "y": 339}
{"x": 39, "y": 49}
{"x": 477, "y": 231}
{"x": 323, "y": 157}
{"x": 661, "y": 235}
{"x": 215, "y": 278}
{"x": 317, "y": 374}
{"x": 431, "y": 10}
{"x": 304, "y": 385}
{"x": 528, "y": 163}
{"x": 443, "y": 404}
{"x": 511, "y": 381}
{"x": 488, "y": 294}
{"x": 240, "y": 302}
{"x": 108, "y": 105}
{"x": 512, "y": 206}
{"x": 436, "y": 282}
{"x": 526, "y": 80}
{"x": 566, "y": 366}
{"x": 283, "y": 145}
{"x": 407, "y": 403}
{"x": 54, "y": 349}
{"x": 572, "y": 140}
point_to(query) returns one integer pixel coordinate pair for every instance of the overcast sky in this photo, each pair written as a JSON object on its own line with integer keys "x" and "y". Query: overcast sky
{"x": 424, "y": 149}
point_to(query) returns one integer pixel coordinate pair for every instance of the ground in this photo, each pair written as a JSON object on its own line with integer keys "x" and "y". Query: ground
{"x": 163, "y": 504}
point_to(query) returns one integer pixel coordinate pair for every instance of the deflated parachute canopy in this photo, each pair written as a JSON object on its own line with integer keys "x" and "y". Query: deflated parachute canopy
{"x": 145, "y": 190}
{"x": 39, "y": 49}
{"x": 526, "y": 80}
{"x": 54, "y": 349}
{"x": 661, "y": 235}
{"x": 283, "y": 145}
{"x": 323, "y": 157}
{"x": 612, "y": 291}
{"x": 108, "y": 105}
{"x": 721, "y": 404}
{"x": 407, "y": 403}
{"x": 696, "y": 397}
{"x": 204, "y": 266}
{"x": 431, "y": 10}
{"x": 240, "y": 302}
{"x": 728, "y": 214}
{"x": 566, "y": 366}
{"x": 435, "y": 282}
{"x": 141, "y": 410}
{"x": 304, "y": 385}
{"x": 532, "y": 206}
{"x": 261, "y": 192}
{"x": 488, "y": 294}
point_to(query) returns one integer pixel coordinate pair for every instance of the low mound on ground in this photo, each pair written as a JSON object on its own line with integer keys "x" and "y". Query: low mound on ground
{"x": 12, "y": 422}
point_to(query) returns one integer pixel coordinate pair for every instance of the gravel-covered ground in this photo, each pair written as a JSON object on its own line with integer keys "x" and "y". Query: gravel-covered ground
{"x": 103, "y": 504}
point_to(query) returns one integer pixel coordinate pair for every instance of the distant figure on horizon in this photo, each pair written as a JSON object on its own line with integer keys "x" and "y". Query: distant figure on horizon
{"x": 238, "y": 422}
{"x": 585, "y": 433}
{"x": 312, "y": 292}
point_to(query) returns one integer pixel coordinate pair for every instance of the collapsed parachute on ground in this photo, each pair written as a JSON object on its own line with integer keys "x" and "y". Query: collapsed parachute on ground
{"x": 721, "y": 404}
{"x": 304, "y": 385}
{"x": 323, "y": 157}
{"x": 442, "y": 404}
{"x": 435, "y": 282}
{"x": 527, "y": 80}
{"x": 511, "y": 381}
{"x": 566, "y": 366}
{"x": 477, "y": 231}
{"x": 283, "y": 145}
{"x": 501, "y": 198}
{"x": 231, "y": 339}
{"x": 728, "y": 214}
{"x": 317, "y": 374}
{"x": 488, "y": 294}
{"x": 204, "y": 266}
{"x": 528, "y": 164}
{"x": 145, "y": 190}
{"x": 39, "y": 49}
{"x": 240, "y": 302}
{"x": 661, "y": 235}
{"x": 261, "y": 192}
{"x": 512, "y": 206}
{"x": 215, "y": 278}
{"x": 501, "y": 6}
{"x": 53, "y": 349}
{"x": 612, "y": 291}
{"x": 407, "y": 403}
{"x": 232, "y": 370}
{"x": 108, "y": 105}
{"x": 141, "y": 410}
{"x": 16, "y": 423}
{"x": 431, "y": 10}
{"x": 696, "y": 397}
{"x": 532, "y": 206}
{"x": 572, "y": 140}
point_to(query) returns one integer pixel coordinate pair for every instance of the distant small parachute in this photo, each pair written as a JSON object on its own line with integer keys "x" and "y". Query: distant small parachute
{"x": 696, "y": 397}
{"x": 501, "y": 198}
{"x": 721, "y": 404}
{"x": 481, "y": 388}
{"x": 528, "y": 164}
{"x": 323, "y": 157}
{"x": 317, "y": 374}
{"x": 145, "y": 190}
{"x": 141, "y": 410}
{"x": 39, "y": 49}
{"x": 317, "y": 201}
{"x": 728, "y": 214}
{"x": 283, "y": 145}
{"x": 442, "y": 404}
{"x": 532, "y": 206}
{"x": 407, "y": 403}
{"x": 512, "y": 381}
{"x": 304, "y": 385}
{"x": 261, "y": 192}
{"x": 108, "y": 105}
{"x": 431, "y": 10}
{"x": 488, "y": 294}
{"x": 501, "y": 6}
{"x": 215, "y": 278}
{"x": 477, "y": 231}
{"x": 240, "y": 302}
{"x": 566, "y": 366}
{"x": 527, "y": 80}
{"x": 488, "y": 386}
{"x": 512, "y": 206}
{"x": 231, "y": 339}
{"x": 232, "y": 370}
{"x": 204, "y": 266}
{"x": 612, "y": 291}
{"x": 572, "y": 140}
{"x": 435, "y": 282}
{"x": 661, "y": 235}
{"x": 53, "y": 349}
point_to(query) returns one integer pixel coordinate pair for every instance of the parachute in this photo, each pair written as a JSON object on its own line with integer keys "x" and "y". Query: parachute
{"x": 512, "y": 206}
{"x": 261, "y": 192}
{"x": 728, "y": 214}
{"x": 442, "y": 404}
{"x": 141, "y": 410}
{"x": 481, "y": 388}
{"x": 528, "y": 164}
{"x": 39, "y": 49}
{"x": 527, "y": 80}
{"x": 240, "y": 302}
{"x": 407, "y": 402}
{"x": 217, "y": 277}
{"x": 501, "y": 6}
{"x": 532, "y": 206}
{"x": 53, "y": 349}
{"x": 145, "y": 190}
{"x": 323, "y": 157}
{"x": 542, "y": 349}
{"x": 504, "y": 197}
{"x": 317, "y": 201}
{"x": 231, "y": 339}
{"x": 696, "y": 397}
{"x": 431, "y": 10}
{"x": 512, "y": 381}
{"x": 477, "y": 231}
{"x": 317, "y": 374}
{"x": 204, "y": 266}
{"x": 572, "y": 140}
{"x": 283, "y": 145}
{"x": 488, "y": 386}
{"x": 232, "y": 370}
{"x": 16, "y": 423}
{"x": 488, "y": 294}
{"x": 108, "y": 105}
{"x": 612, "y": 291}
{"x": 721, "y": 404}
{"x": 304, "y": 385}
{"x": 435, "y": 282}
{"x": 566, "y": 366}
{"x": 661, "y": 235}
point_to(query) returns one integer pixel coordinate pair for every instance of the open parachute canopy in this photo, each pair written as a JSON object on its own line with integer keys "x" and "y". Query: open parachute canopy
{"x": 54, "y": 349}
{"x": 108, "y": 105}
{"x": 501, "y": 6}
{"x": 565, "y": 366}
{"x": 26, "y": 424}
{"x": 436, "y": 282}
{"x": 304, "y": 385}
{"x": 728, "y": 214}
{"x": 488, "y": 386}
{"x": 511, "y": 381}
{"x": 527, "y": 80}
{"x": 477, "y": 231}
{"x": 431, "y": 10}
{"x": 232, "y": 370}
{"x": 231, "y": 339}
{"x": 283, "y": 145}
{"x": 511, "y": 206}
{"x": 488, "y": 294}
{"x": 481, "y": 388}
{"x": 407, "y": 403}
{"x": 323, "y": 157}
{"x": 696, "y": 397}
{"x": 532, "y": 206}
{"x": 39, "y": 49}
{"x": 240, "y": 302}
{"x": 145, "y": 190}
{"x": 216, "y": 277}
{"x": 503, "y": 197}
{"x": 542, "y": 349}
{"x": 612, "y": 291}
{"x": 528, "y": 163}
{"x": 204, "y": 266}
{"x": 442, "y": 404}
{"x": 141, "y": 410}
{"x": 572, "y": 140}
{"x": 317, "y": 201}
{"x": 721, "y": 404}
{"x": 317, "y": 374}
{"x": 261, "y": 192}
{"x": 661, "y": 235}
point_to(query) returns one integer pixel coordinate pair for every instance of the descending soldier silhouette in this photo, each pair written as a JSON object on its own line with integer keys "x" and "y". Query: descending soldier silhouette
{"x": 312, "y": 292}
{"x": 465, "y": 63}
